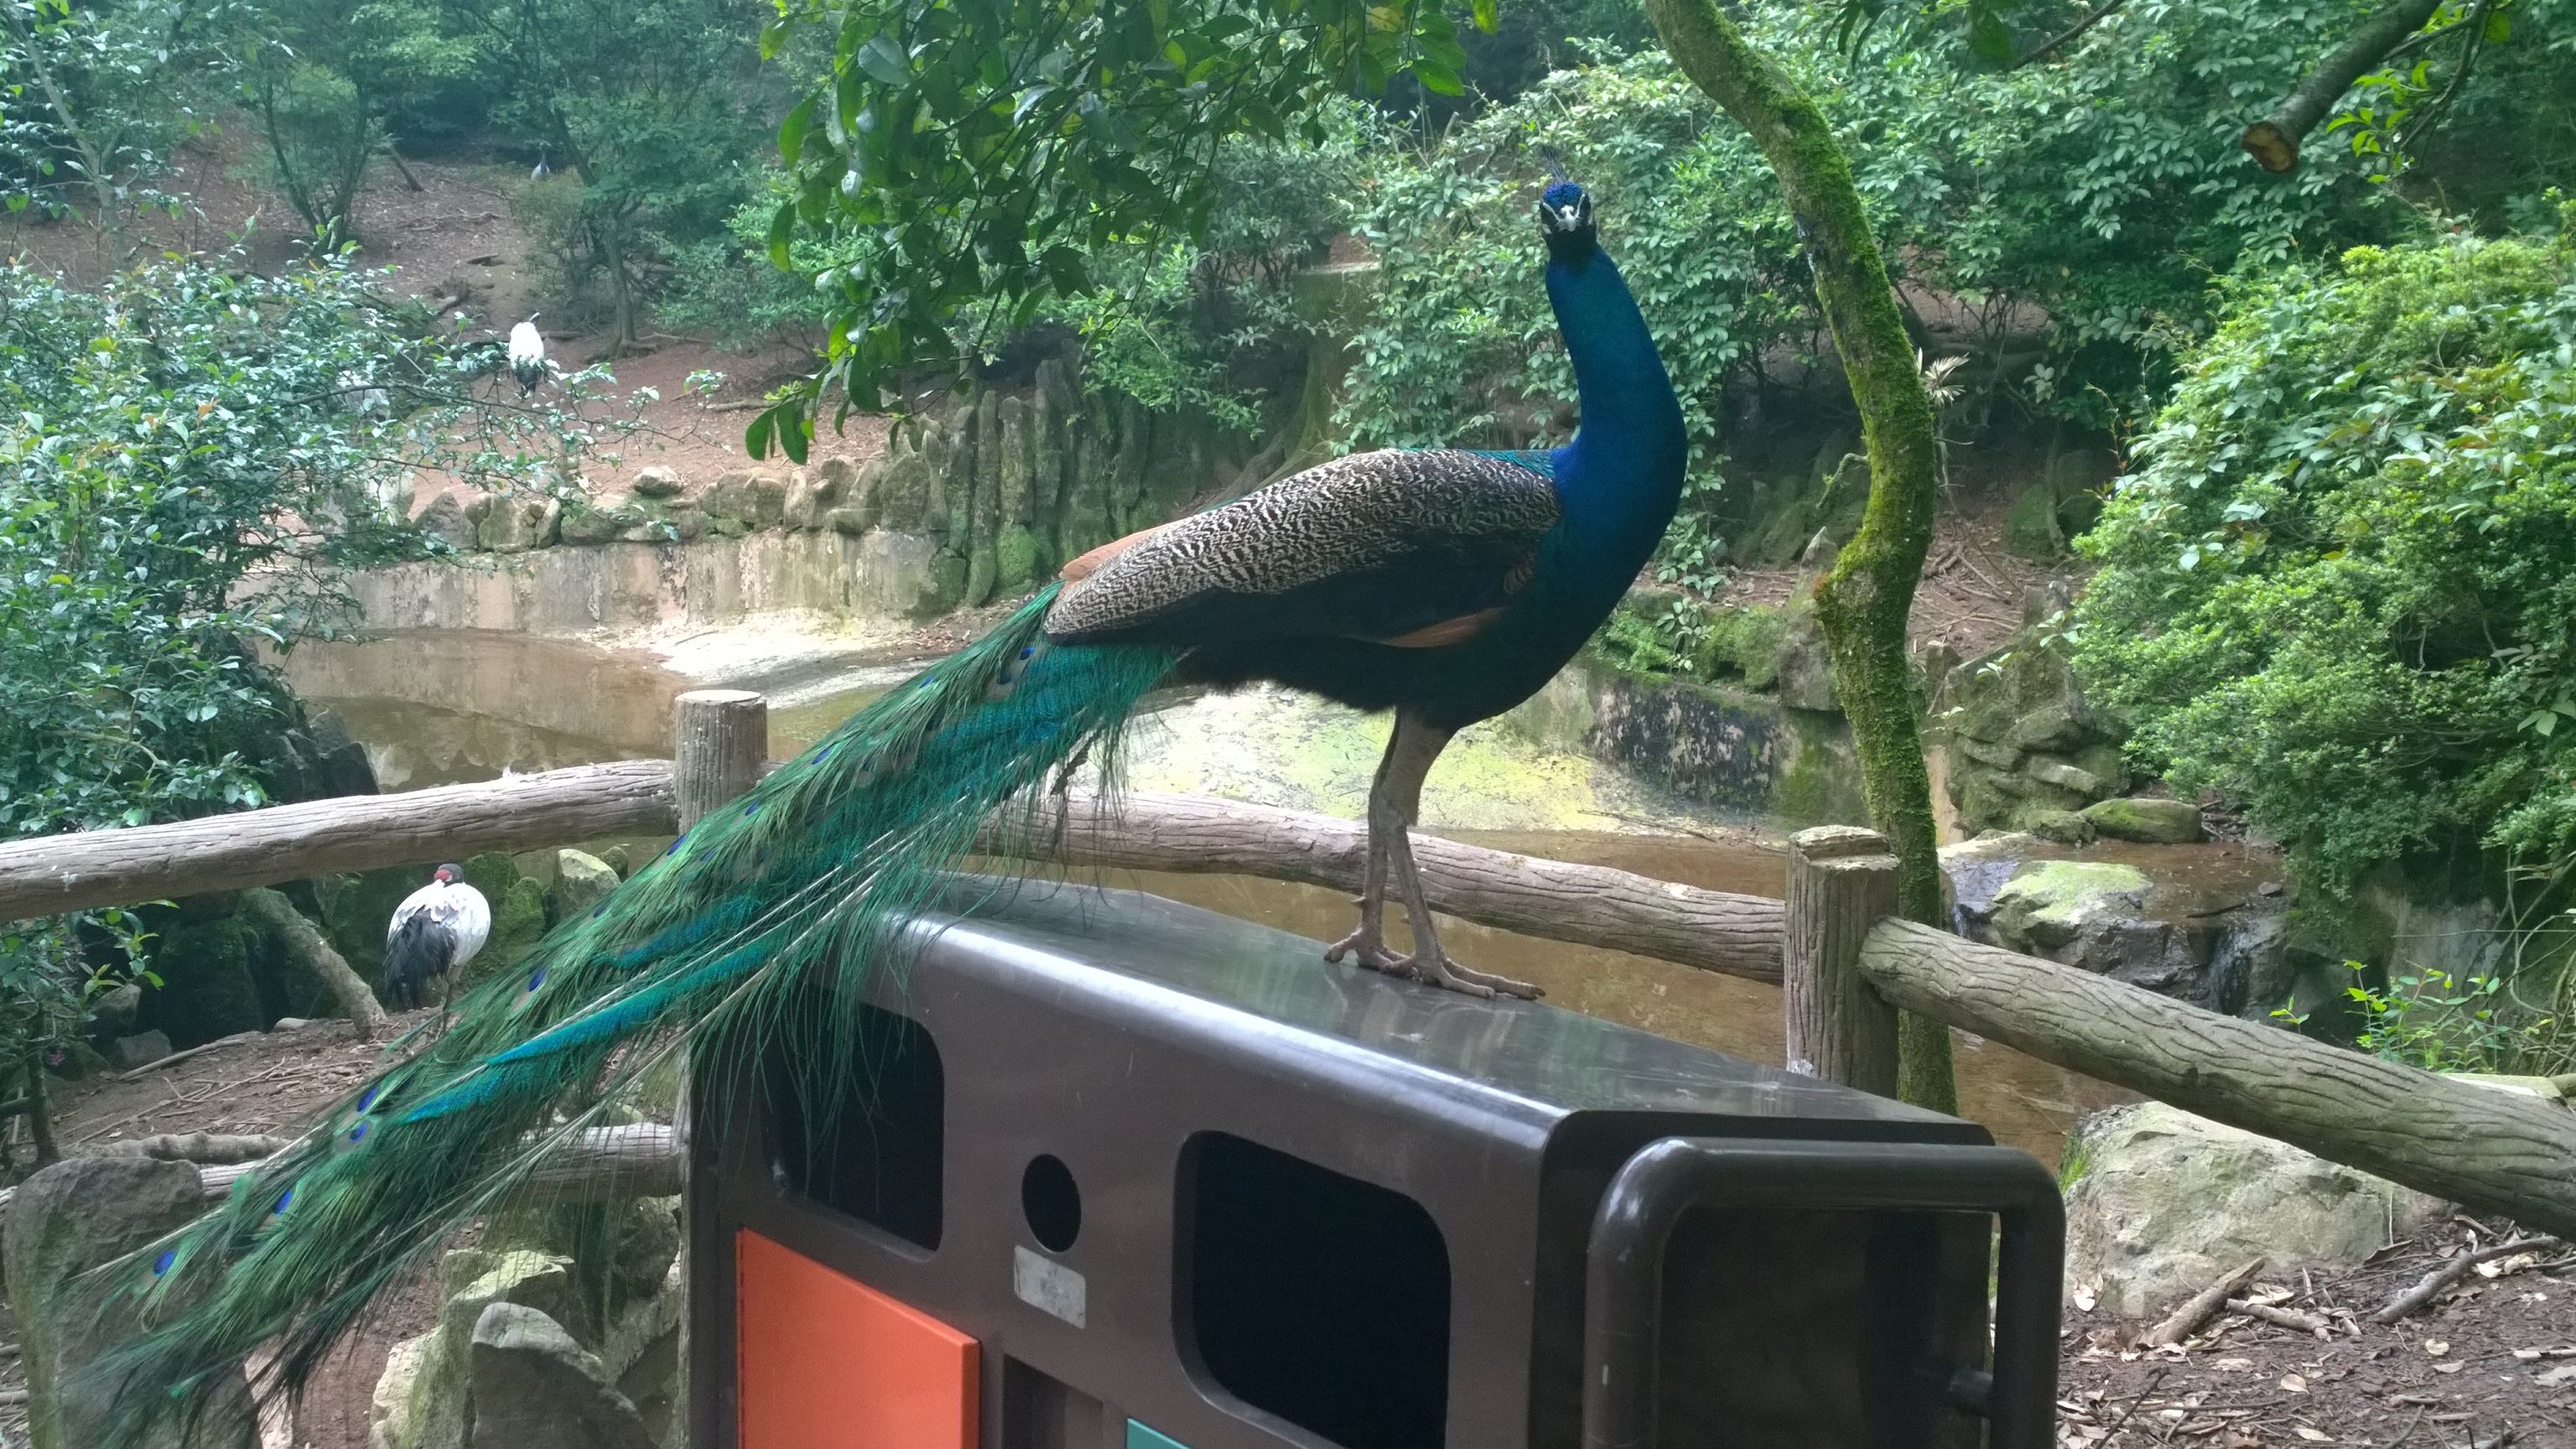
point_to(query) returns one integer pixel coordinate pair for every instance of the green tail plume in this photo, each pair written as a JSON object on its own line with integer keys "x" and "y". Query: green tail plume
{"x": 765, "y": 919}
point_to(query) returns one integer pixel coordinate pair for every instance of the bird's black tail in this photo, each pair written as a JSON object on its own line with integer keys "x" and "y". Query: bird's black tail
{"x": 417, "y": 954}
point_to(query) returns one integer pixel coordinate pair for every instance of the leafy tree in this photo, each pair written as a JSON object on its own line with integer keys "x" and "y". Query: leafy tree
{"x": 327, "y": 81}
{"x": 2340, "y": 587}
{"x": 93, "y": 97}
{"x": 191, "y": 457}
{"x": 641, "y": 106}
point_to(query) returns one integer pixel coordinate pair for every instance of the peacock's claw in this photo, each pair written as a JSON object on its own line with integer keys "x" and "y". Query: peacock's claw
{"x": 1370, "y": 953}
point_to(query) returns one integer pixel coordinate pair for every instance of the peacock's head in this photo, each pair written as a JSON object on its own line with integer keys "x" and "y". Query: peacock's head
{"x": 1565, "y": 219}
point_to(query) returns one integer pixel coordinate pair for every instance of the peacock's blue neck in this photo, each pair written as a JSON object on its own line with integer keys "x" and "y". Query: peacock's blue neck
{"x": 1619, "y": 480}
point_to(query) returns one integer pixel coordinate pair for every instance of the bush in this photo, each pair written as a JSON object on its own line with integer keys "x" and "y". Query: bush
{"x": 2339, "y": 589}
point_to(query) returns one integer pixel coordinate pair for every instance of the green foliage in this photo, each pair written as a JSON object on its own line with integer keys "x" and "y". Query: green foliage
{"x": 993, "y": 150}
{"x": 326, "y": 82}
{"x": 190, "y": 457}
{"x": 1711, "y": 643}
{"x": 2339, "y": 589}
{"x": 94, "y": 97}
{"x": 2441, "y": 1023}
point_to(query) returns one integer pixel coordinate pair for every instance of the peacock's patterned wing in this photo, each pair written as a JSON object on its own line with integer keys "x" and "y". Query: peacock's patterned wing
{"x": 1373, "y": 545}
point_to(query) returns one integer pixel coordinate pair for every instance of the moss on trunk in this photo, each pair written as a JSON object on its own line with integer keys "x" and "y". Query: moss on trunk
{"x": 1864, "y": 600}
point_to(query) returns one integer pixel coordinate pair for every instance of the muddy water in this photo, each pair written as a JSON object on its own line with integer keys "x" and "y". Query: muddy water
{"x": 441, "y": 707}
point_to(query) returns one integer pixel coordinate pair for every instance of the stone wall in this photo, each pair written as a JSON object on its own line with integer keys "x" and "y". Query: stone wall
{"x": 968, "y": 502}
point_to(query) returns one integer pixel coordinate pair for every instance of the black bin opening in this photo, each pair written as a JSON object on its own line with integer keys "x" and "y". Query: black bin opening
{"x": 1316, "y": 1297}
{"x": 1820, "y": 1329}
{"x": 871, "y": 1141}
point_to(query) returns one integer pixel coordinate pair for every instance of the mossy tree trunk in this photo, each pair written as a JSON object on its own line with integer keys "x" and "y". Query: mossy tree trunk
{"x": 1863, "y": 602}
{"x": 39, "y": 1112}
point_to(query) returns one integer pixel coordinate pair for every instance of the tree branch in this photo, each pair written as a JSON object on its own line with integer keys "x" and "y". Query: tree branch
{"x": 1863, "y": 602}
{"x": 2274, "y": 140}
{"x": 2071, "y": 33}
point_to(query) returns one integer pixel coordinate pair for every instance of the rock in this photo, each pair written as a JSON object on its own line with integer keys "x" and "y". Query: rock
{"x": 444, "y": 519}
{"x": 1989, "y": 752}
{"x": 604, "y": 522}
{"x": 142, "y": 1049}
{"x": 678, "y": 523}
{"x": 391, "y": 1410}
{"x": 1015, "y": 556}
{"x": 2066, "y": 775}
{"x": 358, "y": 912}
{"x": 2049, "y": 727}
{"x": 1805, "y": 672}
{"x": 112, "y": 1014}
{"x": 534, "y": 1385}
{"x": 2047, "y": 904}
{"x": 339, "y": 763}
{"x": 73, "y": 1216}
{"x": 727, "y": 527}
{"x": 659, "y": 481}
{"x": 2249, "y": 962}
{"x": 517, "y": 524}
{"x": 518, "y": 923}
{"x": 2147, "y": 819}
{"x": 614, "y": 857}
{"x": 729, "y": 497}
{"x": 2031, "y": 530}
{"x": 209, "y": 978}
{"x": 2066, "y": 827}
{"x": 582, "y": 881}
{"x": 852, "y": 521}
{"x": 422, "y": 1401}
{"x": 2160, "y": 1202}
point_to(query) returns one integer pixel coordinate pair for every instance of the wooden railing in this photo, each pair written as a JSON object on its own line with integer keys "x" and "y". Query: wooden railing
{"x": 1846, "y": 962}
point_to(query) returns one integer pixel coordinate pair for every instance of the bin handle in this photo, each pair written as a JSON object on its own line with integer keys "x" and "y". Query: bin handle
{"x": 1624, "y": 1278}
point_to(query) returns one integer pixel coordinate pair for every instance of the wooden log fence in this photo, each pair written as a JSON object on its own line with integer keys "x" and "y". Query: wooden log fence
{"x": 1848, "y": 963}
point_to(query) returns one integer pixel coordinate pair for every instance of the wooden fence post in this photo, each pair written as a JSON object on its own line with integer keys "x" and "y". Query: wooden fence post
{"x": 1842, "y": 881}
{"x": 719, "y": 744}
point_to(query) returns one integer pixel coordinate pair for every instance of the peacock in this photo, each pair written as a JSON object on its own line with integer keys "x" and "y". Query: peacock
{"x": 1443, "y": 585}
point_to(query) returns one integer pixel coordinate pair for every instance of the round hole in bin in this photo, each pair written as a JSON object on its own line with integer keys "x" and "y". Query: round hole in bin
{"x": 1051, "y": 1202}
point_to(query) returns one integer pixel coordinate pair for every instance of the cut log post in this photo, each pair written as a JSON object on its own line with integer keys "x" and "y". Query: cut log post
{"x": 1585, "y": 905}
{"x": 49, "y": 874}
{"x": 1842, "y": 882}
{"x": 721, "y": 743}
{"x": 2495, "y": 1152}
{"x": 313, "y": 956}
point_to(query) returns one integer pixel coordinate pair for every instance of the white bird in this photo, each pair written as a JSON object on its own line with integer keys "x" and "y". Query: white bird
{"x": 539, "y": 173}
{"x": 436, "y": 930}
{"x": 527, "y": 355}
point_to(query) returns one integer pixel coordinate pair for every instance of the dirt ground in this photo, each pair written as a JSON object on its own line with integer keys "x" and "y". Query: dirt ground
{"x": 2492, "y": 1366}
{"x": 267, "y": 1083}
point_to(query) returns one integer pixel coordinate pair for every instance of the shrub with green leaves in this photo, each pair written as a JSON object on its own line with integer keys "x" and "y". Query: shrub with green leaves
{"x": 2341, "y": 587}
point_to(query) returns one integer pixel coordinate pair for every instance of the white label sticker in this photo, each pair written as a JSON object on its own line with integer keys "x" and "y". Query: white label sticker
{"x": 1047, "y": 1285}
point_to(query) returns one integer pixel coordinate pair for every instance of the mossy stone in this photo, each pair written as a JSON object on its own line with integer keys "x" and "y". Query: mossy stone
{"x": 2031, "y": 530}
{"x": 209, "y": 980}
{"x": 2160, "y": 822}
{"x": 518, "y": 923}
{"x": 1015, "y": 556}
{"x": 361, "y": 910}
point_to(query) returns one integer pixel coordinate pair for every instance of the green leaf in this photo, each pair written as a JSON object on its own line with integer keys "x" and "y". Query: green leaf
{"x": 2499, "y": 26}
{"x": 756, "y": 438}
{"x": 791, "y": 132}
{"x": 1988, "y": 36}
{"x": 1488, "y": 15}
{"x": 782, "y": 232}
{"x": 884, "y": 61}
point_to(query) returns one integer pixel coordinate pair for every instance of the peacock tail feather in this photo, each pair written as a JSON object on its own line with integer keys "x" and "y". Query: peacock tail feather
{"x": 764, "y": 921}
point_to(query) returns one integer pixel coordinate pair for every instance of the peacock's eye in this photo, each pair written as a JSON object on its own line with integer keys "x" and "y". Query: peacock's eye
{"x": 162, "y": 1264}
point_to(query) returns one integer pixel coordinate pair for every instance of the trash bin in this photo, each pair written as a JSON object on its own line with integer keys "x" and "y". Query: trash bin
{"x": 1106, "y": 1171}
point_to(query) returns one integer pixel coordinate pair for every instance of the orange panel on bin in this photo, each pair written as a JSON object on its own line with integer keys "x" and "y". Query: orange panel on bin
{"x": 829, "y": 1363}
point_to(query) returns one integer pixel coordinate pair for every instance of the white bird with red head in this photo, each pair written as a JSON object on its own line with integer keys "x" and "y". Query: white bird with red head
{"x": 436, "y": 930}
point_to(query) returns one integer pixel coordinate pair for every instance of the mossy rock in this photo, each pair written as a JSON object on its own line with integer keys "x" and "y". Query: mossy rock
{"x": 2160, "y": 822}
{"x": 2031, "y": 529}
{"x": 359, "y": 913}
{"x": 1743, "y": 643}
{"x": 518, "y": 923}
{"x": 209, "y": 980}
{"x": 1015, "y": 556}
{"x": 615, "y": 858}
{"x": 493, "y": 873}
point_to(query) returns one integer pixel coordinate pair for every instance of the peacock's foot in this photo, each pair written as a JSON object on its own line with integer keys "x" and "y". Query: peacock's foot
{"x": 1368, "y": 951}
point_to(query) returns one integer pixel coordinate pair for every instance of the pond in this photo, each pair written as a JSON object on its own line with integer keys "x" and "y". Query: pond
{"x": 442, "y": 707}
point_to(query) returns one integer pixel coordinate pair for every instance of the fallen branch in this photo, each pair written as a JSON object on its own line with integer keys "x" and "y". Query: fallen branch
{"x": 645, "y": 1159}
{"x": 158, "y": 1063}
{"x": 202, "y": 1148}
{"x": 2183, "y": 1322}
{"x": 2430, "y": 1286}
{"x": 2274, "y": 141}
{"x": 1587, "y": 905}
{"x": 2286, "y": 1317}
{"x": 308, "y": 953}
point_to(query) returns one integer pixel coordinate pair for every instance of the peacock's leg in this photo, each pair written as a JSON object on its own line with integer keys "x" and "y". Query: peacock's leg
{"x": 1395, "y": 801}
